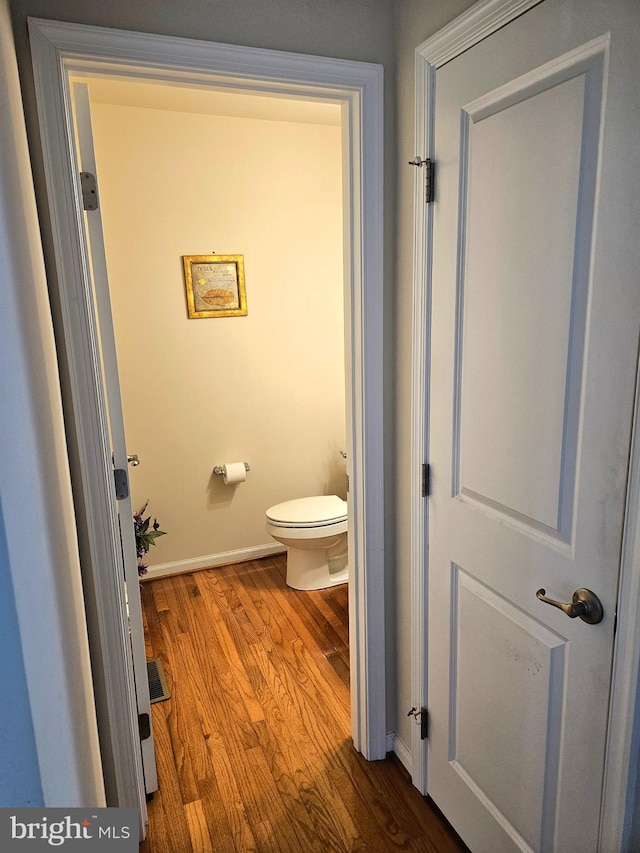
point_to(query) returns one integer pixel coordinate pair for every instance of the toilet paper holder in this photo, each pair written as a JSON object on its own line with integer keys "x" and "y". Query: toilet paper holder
{"x": 219, "y": 470}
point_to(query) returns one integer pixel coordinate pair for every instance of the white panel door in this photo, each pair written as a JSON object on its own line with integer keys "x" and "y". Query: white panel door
{"x": 123, "y": 507}
{"x": 535, "y": 317}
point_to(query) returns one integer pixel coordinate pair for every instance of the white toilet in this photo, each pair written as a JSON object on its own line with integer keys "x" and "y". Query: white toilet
{"x": 315, "y": 533}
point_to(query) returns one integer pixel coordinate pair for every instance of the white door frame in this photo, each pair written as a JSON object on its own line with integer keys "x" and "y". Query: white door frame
{"x": 621, "y": 771}
{"x": 58, "y": 50}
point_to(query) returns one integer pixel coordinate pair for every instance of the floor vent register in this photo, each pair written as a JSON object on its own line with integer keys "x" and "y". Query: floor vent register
{"x": 158, "y": 690}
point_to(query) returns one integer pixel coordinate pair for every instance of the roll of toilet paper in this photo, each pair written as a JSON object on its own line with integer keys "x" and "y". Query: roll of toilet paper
{"x": 233, "y": 472}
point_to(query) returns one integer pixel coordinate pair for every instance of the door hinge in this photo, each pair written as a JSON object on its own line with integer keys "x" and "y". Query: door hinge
{"x": 422, "y": 718}
{"x": 144, "y": 726}
{"x": 424, "y": 724}
{"x": 89, "y": 189}
{"x": 122, "y": 483}
{"x": 428, "y": 176}
{"x": 425, "y": 479}
{"x": 428, "y": 181}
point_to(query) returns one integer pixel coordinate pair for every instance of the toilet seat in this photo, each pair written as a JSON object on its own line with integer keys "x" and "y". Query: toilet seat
{"x": 318, "y": 511}
{"x": 314, "y": 531}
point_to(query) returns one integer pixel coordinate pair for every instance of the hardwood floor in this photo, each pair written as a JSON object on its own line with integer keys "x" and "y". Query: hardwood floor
{"x": 253, "y": 747}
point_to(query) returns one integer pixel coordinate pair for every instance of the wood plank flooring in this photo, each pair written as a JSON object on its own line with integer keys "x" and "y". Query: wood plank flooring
{"x": 253, "y": 747}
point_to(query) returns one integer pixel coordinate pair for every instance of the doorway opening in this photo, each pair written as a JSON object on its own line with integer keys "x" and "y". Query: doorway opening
{"x": 185, "y": 171}
{"x": 177, "y": 168}
{"x": 62, "y": 51}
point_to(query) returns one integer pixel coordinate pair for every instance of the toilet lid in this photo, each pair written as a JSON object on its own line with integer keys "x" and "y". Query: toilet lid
{"x": 309, "y": 512}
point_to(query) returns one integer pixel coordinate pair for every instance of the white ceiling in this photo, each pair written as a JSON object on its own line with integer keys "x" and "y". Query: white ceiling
{"x": 204, "y": 100}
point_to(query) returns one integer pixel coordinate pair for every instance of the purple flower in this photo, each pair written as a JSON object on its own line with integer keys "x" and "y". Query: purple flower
{"x": 145, "y": 537}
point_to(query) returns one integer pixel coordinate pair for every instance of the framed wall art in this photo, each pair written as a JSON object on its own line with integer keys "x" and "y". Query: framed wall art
{"x": 215, "y": 286}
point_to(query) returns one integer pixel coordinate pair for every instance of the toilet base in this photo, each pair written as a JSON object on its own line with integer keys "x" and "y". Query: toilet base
{"x": 315, "y": 569}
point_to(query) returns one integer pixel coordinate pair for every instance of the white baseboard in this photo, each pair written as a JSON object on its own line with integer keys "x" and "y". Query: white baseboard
{"x": 195, "y": 564}
{"x": 395, "y": 744}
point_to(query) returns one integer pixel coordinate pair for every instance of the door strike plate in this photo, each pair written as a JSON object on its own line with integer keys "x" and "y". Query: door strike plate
{"x": 144, "y": 726}
{"x": 89, "y": 189}
{"x": 122, "y": 483}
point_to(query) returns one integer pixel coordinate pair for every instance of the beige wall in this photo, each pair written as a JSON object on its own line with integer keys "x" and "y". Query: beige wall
{"x": 268, "y": 388}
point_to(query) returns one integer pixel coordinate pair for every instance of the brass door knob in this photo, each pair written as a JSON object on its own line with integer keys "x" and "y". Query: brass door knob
{"x": 585, "y": 604}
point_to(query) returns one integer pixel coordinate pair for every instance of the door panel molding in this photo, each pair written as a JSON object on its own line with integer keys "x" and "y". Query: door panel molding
{"x": 576, "y": 81}
{"x": 476, "y": 698}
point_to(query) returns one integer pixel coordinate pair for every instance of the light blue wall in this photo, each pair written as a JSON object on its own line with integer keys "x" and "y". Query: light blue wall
{"x": 43, "y": 642}
{"x": 19, "y": 771}
{"x": 20, "y": 783}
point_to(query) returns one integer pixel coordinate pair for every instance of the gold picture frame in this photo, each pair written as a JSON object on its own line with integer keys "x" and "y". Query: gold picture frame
{"x": 215, "y": 286}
